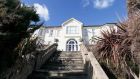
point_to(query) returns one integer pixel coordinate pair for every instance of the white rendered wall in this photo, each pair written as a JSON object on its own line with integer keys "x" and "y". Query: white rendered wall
{"x": 67, "y": 37}
{"x": 84, "y": 33}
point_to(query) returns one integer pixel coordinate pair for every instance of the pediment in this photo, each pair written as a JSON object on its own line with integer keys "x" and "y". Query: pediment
{"x": 72, "y": 20}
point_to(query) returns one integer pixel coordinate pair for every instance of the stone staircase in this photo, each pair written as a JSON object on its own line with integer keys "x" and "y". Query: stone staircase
{"x": 62, "y": 65}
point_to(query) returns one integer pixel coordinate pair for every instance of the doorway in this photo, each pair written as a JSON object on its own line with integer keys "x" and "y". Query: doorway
{"x": 71, "y": 45}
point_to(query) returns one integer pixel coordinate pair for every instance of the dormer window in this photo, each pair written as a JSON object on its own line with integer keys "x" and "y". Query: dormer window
{"x": 72, "y": 30}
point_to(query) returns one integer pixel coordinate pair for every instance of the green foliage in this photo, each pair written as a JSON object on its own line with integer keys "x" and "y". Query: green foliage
{"x": 16, "y": 18}
{"x": 15, "y": 21}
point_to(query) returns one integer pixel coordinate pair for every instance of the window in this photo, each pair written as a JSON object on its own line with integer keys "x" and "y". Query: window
{"x": 72, "y": 45}
{"x": 58, "y": 32}
{"x": 85, "y": 32}
{"x": 47, "y": 31}
{"x": 51, "y": 33}
{"x": 42, "y": 32}
{"x": 71, "y": 30}
{"x": 93, "y": 31}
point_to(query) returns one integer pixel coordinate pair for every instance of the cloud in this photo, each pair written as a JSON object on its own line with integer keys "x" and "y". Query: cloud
{"x": 85, "y": 3}
{"x": 42, "y": 11}
{"x": 98, "y": 4}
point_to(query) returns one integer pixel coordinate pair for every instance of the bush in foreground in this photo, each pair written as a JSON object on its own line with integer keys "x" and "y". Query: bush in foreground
{"x": 120, "y": 50}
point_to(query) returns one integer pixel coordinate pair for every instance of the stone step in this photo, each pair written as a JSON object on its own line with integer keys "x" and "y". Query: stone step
{"x": 64, "y": 58}
{"x": 66, "y": 53}
{"x": 74, "y": 67}
{"x": 66, "y": 61}
{"x": 60, "y": 72}
{"x": 55, "y": 58}
{"x": 69, "y": 77}
{"x": 63, "y": 53}
{"x": 63, "y": 64}
{"x": 69, "y": 59}
{"x": 70, "y": 52}
{"x": 60, "y": 62}
{"x": 70, "y": 56}
{"x": 56, "y": 77}
{"x": 75, "y": 56}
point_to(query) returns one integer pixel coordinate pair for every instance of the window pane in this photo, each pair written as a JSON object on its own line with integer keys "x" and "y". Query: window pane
{"x": 58, "y": 32}
{"x": 72, "y": 45}
{"x": 93, "y": 31}
{"x": 71, "y": 30}
{"x": 71, "y": 42}
{"x": 47, "y": 31}
{"x": 51, "y": 32}
{"x": 69, "y": 47}
{"x": 76, "y": 47}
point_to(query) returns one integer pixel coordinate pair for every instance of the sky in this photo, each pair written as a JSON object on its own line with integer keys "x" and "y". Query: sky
{"x": 89, "y": 12}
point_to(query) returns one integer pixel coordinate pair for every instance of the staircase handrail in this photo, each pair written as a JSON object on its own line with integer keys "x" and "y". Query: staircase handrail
{"x": 44, "y": 53}
{"x": 93, "y": 67}
{"x": 25, "y": 67}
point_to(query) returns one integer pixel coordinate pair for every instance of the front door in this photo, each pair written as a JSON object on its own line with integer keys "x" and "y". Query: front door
{"x": 72, "y": 45}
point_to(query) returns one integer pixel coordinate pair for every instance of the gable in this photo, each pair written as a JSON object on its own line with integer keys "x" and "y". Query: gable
{"x": 72, "y": 22}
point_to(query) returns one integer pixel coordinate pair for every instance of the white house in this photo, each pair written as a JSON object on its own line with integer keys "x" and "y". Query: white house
{"x": 70, "y": 34}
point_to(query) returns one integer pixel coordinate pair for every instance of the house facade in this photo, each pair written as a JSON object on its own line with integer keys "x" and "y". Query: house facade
{"x": 71, "y": 34}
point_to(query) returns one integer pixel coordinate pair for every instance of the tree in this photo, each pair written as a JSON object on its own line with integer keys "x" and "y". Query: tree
{"x": 15, "y": 20}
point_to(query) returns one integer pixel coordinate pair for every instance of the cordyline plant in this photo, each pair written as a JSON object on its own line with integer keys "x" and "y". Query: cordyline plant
{"x": 110, "y": 46}
{"x": 133, "y": 27}
{"x": 114, "y": 47}
{"x": 121, "y": 48}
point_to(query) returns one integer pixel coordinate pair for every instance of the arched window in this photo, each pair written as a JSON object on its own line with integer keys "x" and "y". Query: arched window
{"x": 71, "y": 45}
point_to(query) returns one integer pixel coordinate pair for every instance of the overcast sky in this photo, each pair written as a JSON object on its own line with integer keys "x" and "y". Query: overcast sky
{"x": 90, "y": 12}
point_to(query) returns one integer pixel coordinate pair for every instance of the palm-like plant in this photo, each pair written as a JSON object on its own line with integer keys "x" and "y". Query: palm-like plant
{"x": 133, "y": 28}
{"x": 114, "y": 48}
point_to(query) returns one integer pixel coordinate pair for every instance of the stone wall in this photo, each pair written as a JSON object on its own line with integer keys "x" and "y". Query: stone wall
{"x": 93, "y": 68}
{"x": 24, "y": 66}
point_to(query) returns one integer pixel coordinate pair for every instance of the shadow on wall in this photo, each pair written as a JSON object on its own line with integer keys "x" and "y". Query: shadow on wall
{"x": 108, "y": 72}
{"x": 85, "y": 36}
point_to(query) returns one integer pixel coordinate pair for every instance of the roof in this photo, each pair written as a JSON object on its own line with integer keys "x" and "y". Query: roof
{"x": 71, "y": 19}
{"x": 53, "y": 26}
{"x": 92, "y": 26}
{"x": 83, "y": 25}
{"x": 100, "y": 25}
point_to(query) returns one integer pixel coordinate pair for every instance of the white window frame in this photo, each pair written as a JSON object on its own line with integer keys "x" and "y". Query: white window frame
{"x": 72, "y": 30}
{"x": 72, "y": 45}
